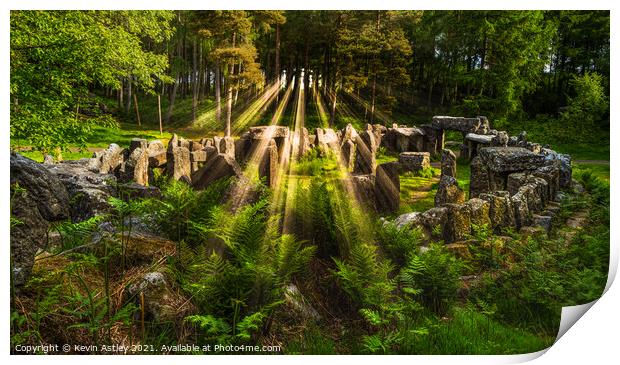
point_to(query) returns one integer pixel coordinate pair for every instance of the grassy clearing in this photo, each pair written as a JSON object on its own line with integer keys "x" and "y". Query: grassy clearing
{"x": 599, "y": 170}
{"x": 469, "y": 332}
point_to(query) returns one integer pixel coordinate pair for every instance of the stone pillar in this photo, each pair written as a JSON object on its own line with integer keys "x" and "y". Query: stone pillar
{"x": 387, "y": 187}
{"x": 448, "y": 163}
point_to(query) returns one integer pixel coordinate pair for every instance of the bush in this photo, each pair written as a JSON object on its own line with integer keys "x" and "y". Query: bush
{"x": 436, "y": 273}
{"x": 590, "y": 104}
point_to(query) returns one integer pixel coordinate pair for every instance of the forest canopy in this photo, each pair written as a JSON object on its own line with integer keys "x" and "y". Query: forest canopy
{"x": 406, "y": 65}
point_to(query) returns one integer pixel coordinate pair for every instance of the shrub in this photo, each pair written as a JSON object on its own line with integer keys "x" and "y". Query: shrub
{"x": 436, "y": 273}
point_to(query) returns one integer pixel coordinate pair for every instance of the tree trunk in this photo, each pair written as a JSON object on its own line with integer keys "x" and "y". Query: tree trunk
{"x": 194, "y": 79}
{"x": 201, "y": 75}
{"x": 229, "y": 92}
{"x": 161, "y": 130}
{"x": 173, "y": 96}
{"x": 218, "y": 99}
{"x": 374, "y": 94}
{"x": 277, "y": 60}
{"x": 128, "y": 97}
{"x": 135, "y": 102}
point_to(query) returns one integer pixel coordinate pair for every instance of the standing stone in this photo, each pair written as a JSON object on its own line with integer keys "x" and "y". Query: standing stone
{"x": 448, "y": 163}
{"x": 479, "y": 178}
{"x": 348, "y": 134}
{"x": 304, "y": 142}
{"x": 348, "y": 154}
{"x": 179, "y": 165}
{"x": 138, "y": 143}
{"x": 449, "y": 192}
{"x": 111, "y": 159}
{"x": 365, "y": 159}
{"x": 522, "y": 214}
{"x": 174, "y": 142}
{"x": 500, "y": 140}
{"x": 479, "y": 213}
{"x": 501, "y": 212}
{"x": 414, "y": 161}
{"x": 364, "y": 189}
{"x": 217, "y": 167}
{"x": 136, "y": 167}
{"x": 227, "y": 146}
{"x": 217, "y": 143}
{"x": 157, "y": 153}
{"x": 242, "y": 146}
{"x": 268, "y": 167}
{"x": 458, "y": 223}
{"x": 387, "y": 187}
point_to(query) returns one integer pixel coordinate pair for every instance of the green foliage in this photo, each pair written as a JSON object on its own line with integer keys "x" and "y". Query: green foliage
{"x": 238, "y": 289}
{"x": 436, "y": 272}
{"x": 399, "y": 243}
{"x": 76, "y": 234}
{"x": 57, "y": 55}
{"x": 545, "y": 274}
{"x": 590, "y": 103}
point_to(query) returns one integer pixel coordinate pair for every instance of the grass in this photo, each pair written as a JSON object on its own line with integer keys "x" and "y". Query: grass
{"x": 101, "y": 138}
{"x": 470, "y": 332}
{"x": 598, "y": 170}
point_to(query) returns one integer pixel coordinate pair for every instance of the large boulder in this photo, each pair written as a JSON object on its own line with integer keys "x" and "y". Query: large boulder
{"x": 89, "y": 191}
{"x": 563, "y": 161}
{"x": 448, "y": 163}
{"x": 153, "y": 290}
{"x": 523, "y": 216}
{"x": 464, "y": 125}
{"x": 218, "y": 167}
{"x": 412, "y": 219}
{"x": 387, "y": 187}
{"x": 510, "y": 159}
{"x": 449, "y": 192}
{"x": 414, "y": 161}
{"x": 478, "y": 178}
{"x": 37, "y": 197}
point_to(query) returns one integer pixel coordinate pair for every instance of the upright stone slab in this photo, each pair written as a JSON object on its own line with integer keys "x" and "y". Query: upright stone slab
{"x": 136, "y": 167}
{"x": 387, "y": 187}
{"x": 449, "y": 192}
{"x": 448, "y": 163}
{"x": 414, "y": 161}
{"x": 138, "y": 143}
{"x": 218, "y": 167}
{"x": 365, "y": 159}
{"x": 364, "y": 189}
{"x": 501, "y": 212}
{"x": 227, "y": 146}
{"x": 458, "y": 223}
{"x": 268, "y": 166}
{"x": 242, "y": 146}
{"x": 348, "y": 154}
{"x": 111, "y": 159}
{"x": 179, "y": 164}
{"x": 478, "y": 178}
{"x": 479, "y": 213}
{"x": 522, "y": 214}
